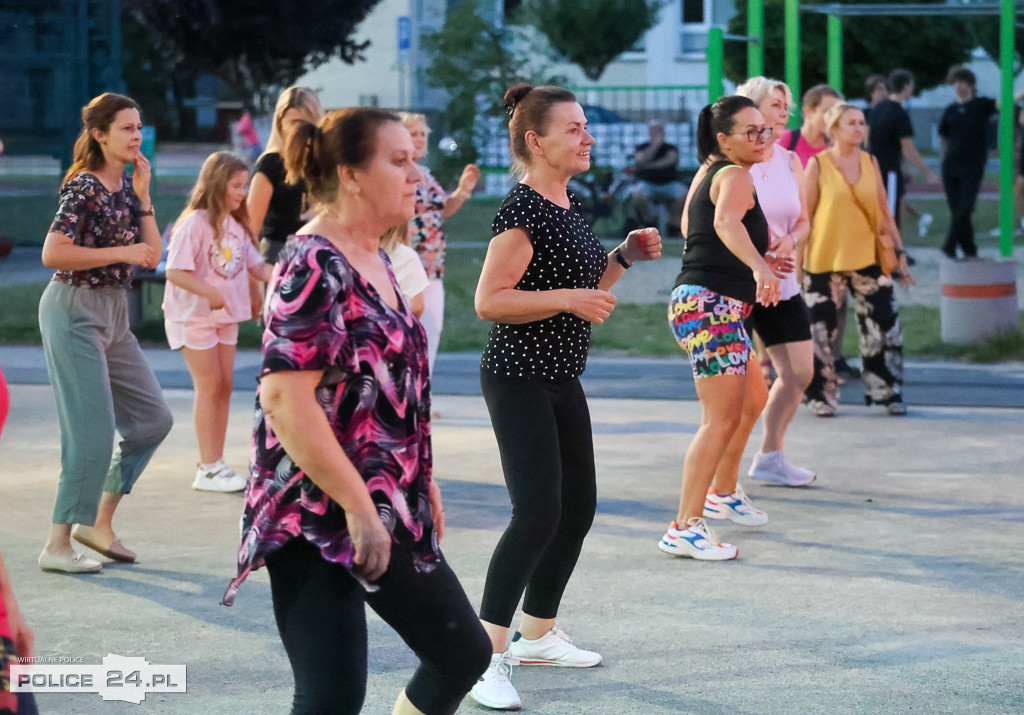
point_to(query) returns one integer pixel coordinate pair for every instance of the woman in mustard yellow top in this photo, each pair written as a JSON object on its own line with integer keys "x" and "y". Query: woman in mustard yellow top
{"x": 846, "y": 202}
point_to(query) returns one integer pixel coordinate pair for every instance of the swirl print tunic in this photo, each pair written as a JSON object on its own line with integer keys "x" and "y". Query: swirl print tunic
{"x": 322, "y": 315}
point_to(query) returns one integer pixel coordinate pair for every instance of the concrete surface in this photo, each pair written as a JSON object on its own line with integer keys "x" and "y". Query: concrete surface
{"x": 892, "y": 585}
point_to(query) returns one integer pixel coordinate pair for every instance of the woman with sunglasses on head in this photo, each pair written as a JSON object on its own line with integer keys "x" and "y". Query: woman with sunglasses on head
{"x": 726, "y": 269}
{"x": 545, "y": 280}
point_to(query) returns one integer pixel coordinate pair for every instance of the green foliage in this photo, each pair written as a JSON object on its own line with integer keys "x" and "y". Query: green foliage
{"x": 257, "y": 51}
{"x": 592, "y": 33}
{"x": 474, "y": 62}
{"x": 927, "y": 46}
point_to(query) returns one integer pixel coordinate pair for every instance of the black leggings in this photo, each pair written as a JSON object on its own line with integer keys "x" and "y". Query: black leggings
{"x": 547, "y": 454}
{"x": 320, "y": 615}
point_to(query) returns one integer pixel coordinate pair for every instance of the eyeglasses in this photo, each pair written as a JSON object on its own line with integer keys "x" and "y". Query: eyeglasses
{"x": 754, "y": 135}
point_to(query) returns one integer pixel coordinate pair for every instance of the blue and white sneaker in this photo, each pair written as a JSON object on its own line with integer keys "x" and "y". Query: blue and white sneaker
{"x": 697, "y": 541}
{"x": 735, "y": 507}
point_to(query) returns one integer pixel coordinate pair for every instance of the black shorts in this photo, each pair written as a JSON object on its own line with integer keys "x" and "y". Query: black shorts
{"x": 786, "y": 322}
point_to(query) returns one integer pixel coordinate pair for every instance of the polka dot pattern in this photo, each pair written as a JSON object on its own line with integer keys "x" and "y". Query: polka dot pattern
{"x": 566, "y": 254}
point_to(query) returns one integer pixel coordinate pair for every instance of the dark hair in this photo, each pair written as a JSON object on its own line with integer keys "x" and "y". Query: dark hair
{"x": 872, "y": 82}
{"x": 717, "y": 119}
{"x": 815, "y": 95}
{"x": 97, "y": 114}
{"x": 962, "y": 74}
{"x": 528, "y": 109}
{"x": 345, "y": 137}
{"x": 899, "y": 79}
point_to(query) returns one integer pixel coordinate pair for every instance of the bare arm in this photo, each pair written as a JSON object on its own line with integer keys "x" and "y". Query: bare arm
{"x": 467, "y": 182}
{"x": 61, "y": 253}
{"x": 911, "y": 153}
{"x": 508, "y": 257}
{"x": 890, "y": 227}
{"x": 257, "y": 202}
{"x": 732, "y": 192}
{"x": 643, "y": 244}
{"x": 262, "y": 271}
{"x": 189, "y": 281}
{"x": 143, "y": 174}
{"x": 289, "y": 401}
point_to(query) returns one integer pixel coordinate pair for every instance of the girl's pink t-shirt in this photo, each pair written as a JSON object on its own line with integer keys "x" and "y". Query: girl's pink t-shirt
{"x": 225, "y": 267}
{"x": 802, "y": 149}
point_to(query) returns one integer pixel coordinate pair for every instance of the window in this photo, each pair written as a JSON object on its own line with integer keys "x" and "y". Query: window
{"x": 694, "y": 23}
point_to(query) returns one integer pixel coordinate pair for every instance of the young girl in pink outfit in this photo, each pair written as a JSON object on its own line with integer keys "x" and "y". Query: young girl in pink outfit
{"x": 210, "y": 256}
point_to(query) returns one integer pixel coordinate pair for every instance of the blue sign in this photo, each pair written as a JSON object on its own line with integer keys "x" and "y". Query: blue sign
{"x": 404, "y": 33}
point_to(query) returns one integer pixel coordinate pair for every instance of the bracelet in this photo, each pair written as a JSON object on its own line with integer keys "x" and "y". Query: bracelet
{"x": 617, "y": 255}
{"x": 149, "y": 212}
{"x": 900, "y": 252}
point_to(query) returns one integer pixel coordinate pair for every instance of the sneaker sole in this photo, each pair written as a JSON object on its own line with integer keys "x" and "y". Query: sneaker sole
{"x": 774, "y": 479}
{"x": 557, "y": 664}
{"x": 494, "y": 705}
{"x": 700, "y": 555}
{"x": 233, "y": 490}
{"x": 737, "y": 519}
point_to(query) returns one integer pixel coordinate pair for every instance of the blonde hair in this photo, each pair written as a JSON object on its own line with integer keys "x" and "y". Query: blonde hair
{"x": 302, "y": 98}
{"x": 757, "y": 88}
{"x": 395, "y": 235}
{"x": 99, "y": 114}
{"x": 411, "y": 118}
{"x": 835, "y": 113}
{"x": 211, "y": 191}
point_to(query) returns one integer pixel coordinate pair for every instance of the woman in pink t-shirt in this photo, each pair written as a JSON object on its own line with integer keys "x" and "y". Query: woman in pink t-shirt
{"x": 810, "y": 139}
{"x": 212, "y": 252}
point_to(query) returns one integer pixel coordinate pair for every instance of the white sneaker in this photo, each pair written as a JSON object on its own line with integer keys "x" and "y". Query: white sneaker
{"x": 923, "y": 224}
{"x": 495, "y": 689}
{"x": 774, "y": 467}
{"x": 219, "y": 479}
{"x": 735, "y": 507}
{"x": 697, "y": 541}
{"x": 552, "y": 648}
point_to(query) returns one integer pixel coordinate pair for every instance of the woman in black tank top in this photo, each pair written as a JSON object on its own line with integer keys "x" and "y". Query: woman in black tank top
{"x": 724, "y": 272}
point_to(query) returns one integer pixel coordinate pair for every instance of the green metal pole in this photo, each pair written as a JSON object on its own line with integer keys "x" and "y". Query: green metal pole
{"x": 716, "y": 60}
{"x": 793, "y": 55}
{"x": 755, "y": 31}
{"x": 835, "y": 52}
{"x": 1006, "y": 20}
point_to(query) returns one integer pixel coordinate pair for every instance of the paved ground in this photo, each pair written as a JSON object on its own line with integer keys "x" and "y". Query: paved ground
{"x": 893, "y": 585}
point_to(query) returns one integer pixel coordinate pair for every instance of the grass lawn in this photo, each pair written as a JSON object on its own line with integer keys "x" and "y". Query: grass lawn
{"x": 633, "y": 329}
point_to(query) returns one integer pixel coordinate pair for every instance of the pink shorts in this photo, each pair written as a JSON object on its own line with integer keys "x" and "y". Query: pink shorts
{"x": 200, "y": 336}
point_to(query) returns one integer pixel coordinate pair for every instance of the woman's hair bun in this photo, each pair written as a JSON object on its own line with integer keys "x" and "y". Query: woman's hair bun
{"x": 514, "y": 94}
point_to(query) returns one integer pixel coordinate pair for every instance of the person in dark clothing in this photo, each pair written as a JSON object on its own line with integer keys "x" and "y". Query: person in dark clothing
{"x": 657, "y": 178}
{"x": 964, "y": 131}
{"x": 890, "y": 137}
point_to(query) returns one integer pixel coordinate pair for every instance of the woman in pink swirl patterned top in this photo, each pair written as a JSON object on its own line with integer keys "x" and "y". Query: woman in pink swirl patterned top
{"x": 341, "y": 505}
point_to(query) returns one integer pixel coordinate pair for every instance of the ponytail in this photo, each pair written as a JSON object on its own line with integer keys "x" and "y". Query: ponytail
{"x": 717, "y": 119}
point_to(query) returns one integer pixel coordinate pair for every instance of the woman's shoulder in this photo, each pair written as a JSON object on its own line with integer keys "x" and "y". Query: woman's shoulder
{"x": 270, "y": 163}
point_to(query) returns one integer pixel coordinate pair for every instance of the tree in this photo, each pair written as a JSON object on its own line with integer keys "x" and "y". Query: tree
{"x": 257, "y": 50}
{"x": 474, "y": 62}
{"x": 592, "y": 33}
{"x": 927, "y": 46}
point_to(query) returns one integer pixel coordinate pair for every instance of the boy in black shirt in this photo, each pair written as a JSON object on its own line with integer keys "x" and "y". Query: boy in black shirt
{"x": 964, "y": 131}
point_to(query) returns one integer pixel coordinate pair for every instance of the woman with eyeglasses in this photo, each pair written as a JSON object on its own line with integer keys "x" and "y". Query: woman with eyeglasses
{"x": 726, "y": 269}
{"x": 846, "y": 202}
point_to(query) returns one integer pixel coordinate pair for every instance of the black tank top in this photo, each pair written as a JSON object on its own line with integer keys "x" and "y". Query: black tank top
{"x": 706, "y": 259}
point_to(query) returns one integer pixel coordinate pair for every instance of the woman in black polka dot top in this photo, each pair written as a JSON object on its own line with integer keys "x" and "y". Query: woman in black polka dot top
{"x": 546, "y": 278}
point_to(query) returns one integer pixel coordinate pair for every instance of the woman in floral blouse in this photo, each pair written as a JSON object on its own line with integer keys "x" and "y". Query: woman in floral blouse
{"x": 104, "y": 226}
{"x": 426, "y": 230}
{"x": 342, "y": 507}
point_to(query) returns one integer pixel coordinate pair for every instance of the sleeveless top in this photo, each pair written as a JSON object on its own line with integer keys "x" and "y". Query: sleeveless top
{"x": 707, "y": 261}
{"x": 284, "y": 212}
{"x": 842, "y": 237}
{"x": 779, "y": 195}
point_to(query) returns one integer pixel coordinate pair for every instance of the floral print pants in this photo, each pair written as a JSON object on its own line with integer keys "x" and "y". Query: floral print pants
{"x": 880, "y": 338}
